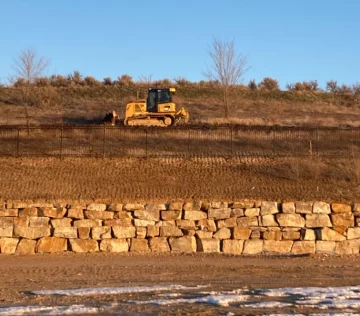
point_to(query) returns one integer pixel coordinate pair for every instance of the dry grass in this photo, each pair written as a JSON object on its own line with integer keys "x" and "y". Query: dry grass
{"x": 83, "y": 104}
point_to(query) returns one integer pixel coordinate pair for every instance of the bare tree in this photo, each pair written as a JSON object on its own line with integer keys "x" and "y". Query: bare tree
{"x": 29, "y": 66}
{"x": 228, "y": 68}
{"x": 146, "y": 80}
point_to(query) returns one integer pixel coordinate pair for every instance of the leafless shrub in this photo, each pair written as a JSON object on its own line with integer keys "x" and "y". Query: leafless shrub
{"x": 20, "y": 82}
{"x": 107, "y": 81}
{"x": 76, "y": 78}
{"x": 183, "y": 82}
{"x": 332, "y": 86}
{"x": 91, "y": 82}
{"x": 145, "y": 81}
{"x": 344, "y": 89}
{"x": 58, "y": 81}
{"x": 42, "y": 82}
{"x": 269, "y": 84}
{"x": 125, "y": 81}
{"x": 356, "y": 88}
{"x": 163, "y": 83}
{"x": 252, "y": 85}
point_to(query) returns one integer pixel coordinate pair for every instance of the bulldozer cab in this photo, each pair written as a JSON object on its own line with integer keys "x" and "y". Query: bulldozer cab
{"x": 158, "y": 96}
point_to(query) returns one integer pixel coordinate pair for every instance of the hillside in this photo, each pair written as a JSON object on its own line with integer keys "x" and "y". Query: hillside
{"x": 88, "y": 104}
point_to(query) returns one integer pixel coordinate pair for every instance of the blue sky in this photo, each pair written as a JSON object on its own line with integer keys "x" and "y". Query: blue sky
{"x": 283, "y": 39}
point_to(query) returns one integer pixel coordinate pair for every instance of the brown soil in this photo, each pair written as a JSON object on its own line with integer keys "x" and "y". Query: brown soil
{"x": 164, "y": 179}
{"x": 219, "y": 272}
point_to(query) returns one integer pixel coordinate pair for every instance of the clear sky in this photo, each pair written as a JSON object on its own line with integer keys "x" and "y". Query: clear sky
{"x": 284, "y": 39}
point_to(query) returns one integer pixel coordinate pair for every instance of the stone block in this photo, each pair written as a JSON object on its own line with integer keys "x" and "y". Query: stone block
{"x": 115, "y": 207}
{"x": 183, "y": 244}
{"x": 133, "y": 207}
{"x": 247, "y": 221}
{"x": 317, "y": 220}
{"x": 152, "y": 231}
{"x": 219, "y": 204}
{"x": 203, "y": 235}
{"x": 255, "y": 234}
{"x": 219, "y": 213}
{"x": 325, "y": 246}
{"x": 99, "y": 215}
{"x": 252, "y": 212}
{"x": 208, "y": 245}
{"x": 170, "y": 231}
{"x": 66, "y": 232}
{"x": 343, "y": 219}
{"x": 26, "y": 246}
{"x": 175, "y": 206}
{"x": 233, "y": 247}
{"x": 347, "y": 247}
{"x": 329, "y": 235}
{"x": 99, "y": 233}
{"x": 303, "y": 247}
{"x": 76, "y": 213}
{"x": 229, "y": 222}
{"x": 340, "y": 208}
{"x": 195, "y": 215}
{"x": 242, "y": 204}
{"x": 308, "y": 234}
{"x": 268, "y": 208}
{"x": 139, "y": 245}
{"x": 341, "y": 229}
{"x": 123, "y": 215}
{"x": 303, "y": 207}
{"x": 353, "y": 233}
{"x": 6, "y": 222}
{"x": 39, "y": 221}
{"x": 21, "y": 221}
{"x": 155, "y": 207}
{"x": 237, "y": 212}
{"x": 207, "y": 225}
{"x": 290, "y": 220}
{"x": 8, "y": 245}
{"x": 143, "y": 222}
{"x": 274, "y": 246}
{"x": 29, "y": 211}
{"x": 185, "y": 223}
{"x": 10, "y": 212}
{"x": 19, "y": 204}
{"x": 124, "y": 232}
{"x": 268, "y": 221}
{"x": 51, "y": 244}
{"x": 159, "y": 244}
{"x": 150, "y": 215}
{"x": 96, "y": 207}
{"x": 85, "y": 222}
{"x": 253, "y": 246}
{"x": 84, "y": 232}
{"x": 123, "y": 222}
{"x": 291, "y": 235}
{"x": 141, "y": 232}
{"x": 321, "y": 208}
{"x": 84, "y": 245}
{"x": 171, "y": 215}
{"x": 31, "y": 232}
{"x": 288, "y": 207}
{"x": 114, "y": 245}
{"x": 167, "y": 223}
{"x": 272, "y": 235}
{"x": 192, "y": 206}
{"x": 52, "y": 212}
{"x": 223, "y": 233}
{"x": 6, "y": 232}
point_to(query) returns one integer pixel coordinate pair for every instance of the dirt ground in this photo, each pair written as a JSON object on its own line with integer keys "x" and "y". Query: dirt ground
{"x": 21, "y": 274}
{"x": 164, "y": 179}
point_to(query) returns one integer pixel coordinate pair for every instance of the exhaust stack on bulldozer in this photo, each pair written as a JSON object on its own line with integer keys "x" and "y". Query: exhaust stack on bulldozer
{"x": 158, "y": 109}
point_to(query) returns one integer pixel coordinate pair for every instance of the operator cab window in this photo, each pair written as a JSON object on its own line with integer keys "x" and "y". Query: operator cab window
{"x": 164, "y": 96}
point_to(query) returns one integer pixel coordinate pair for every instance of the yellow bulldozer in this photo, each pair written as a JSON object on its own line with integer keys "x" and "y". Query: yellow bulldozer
{"x": 157, "y": 110}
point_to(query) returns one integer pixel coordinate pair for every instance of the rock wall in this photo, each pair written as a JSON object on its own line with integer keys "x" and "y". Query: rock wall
{"x": 244, "y": 227}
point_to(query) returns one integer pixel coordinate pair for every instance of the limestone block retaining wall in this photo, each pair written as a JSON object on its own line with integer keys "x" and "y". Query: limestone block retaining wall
{"x": 242, "y": 227}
